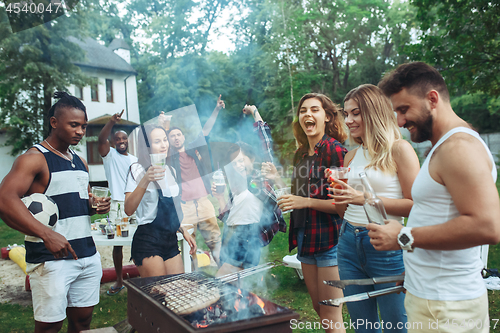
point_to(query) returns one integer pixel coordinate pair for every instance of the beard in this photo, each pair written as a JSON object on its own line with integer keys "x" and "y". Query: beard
{"x": 423, "y": 127}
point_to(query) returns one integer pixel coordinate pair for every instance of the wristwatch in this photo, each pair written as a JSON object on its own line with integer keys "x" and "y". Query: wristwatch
{"x": 405, "y": 239}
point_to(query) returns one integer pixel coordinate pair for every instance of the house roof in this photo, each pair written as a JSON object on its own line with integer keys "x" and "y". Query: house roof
{"x": 101, "y": 57}
{"x": 118, "y": 43}
{"x": 103, "y": 120}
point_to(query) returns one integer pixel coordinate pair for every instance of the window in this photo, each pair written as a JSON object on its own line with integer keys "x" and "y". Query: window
{"x": 94, "y": 90}
{"x": 109, "y": 90}
{"x": 79, "y": 93}
{"x": 93, "y": 156}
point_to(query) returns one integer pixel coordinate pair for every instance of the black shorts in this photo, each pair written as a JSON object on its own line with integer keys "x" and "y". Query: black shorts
{"x": 149, "y": 241}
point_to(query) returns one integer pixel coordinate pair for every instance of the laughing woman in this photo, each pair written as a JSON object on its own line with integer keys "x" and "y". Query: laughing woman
{"x": 153, "y": 192}
{"x": 391, "y": 166}
{"x": 314, "y": 222}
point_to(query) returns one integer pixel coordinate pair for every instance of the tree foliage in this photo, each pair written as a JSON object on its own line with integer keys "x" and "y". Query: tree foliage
{"x": 33, "y": 64}
{"x": 461, "y": 38}
{"x": 283, "y": 49}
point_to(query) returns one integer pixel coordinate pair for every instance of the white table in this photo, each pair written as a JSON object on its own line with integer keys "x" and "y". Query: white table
{"x": 102, "y": 240}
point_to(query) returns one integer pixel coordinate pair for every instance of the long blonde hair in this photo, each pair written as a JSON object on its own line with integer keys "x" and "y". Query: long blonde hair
{"x": 334, "y": 128}
{"x": 381, "y": 128}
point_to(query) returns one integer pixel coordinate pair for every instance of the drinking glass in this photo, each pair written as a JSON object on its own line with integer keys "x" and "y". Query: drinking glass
{"x": 99, "y": 193}
{"x": 339, "y": 173}
{"x": 283, "y": 191}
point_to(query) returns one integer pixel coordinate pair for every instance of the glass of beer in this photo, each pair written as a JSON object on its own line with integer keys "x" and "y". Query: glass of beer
{"x": 99, "y": 194}
{"x": 338, "y": 173}
{"x": 283, "y": 191}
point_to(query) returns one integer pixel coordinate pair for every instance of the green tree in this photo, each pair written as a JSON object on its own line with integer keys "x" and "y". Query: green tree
{"x": 461, "y": 38}
{"x": 480, "y": 110}
{"x": 34, "y": 63}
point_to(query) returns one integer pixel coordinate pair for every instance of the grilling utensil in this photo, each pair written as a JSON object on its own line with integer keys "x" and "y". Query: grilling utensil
{"x": 186, "y": 293}
{"x": 364, "y": 282}
{"x": 362, "y": 296}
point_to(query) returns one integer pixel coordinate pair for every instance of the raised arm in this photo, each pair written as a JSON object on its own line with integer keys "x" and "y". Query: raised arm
{"x": 103, "y": 142}
{"x": 211, "y": 121}
{"x": 252, "y": 109}
{"x": 20, "y": 181}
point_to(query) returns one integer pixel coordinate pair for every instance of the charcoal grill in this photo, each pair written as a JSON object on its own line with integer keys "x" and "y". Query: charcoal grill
{"x": 148, "y": 311}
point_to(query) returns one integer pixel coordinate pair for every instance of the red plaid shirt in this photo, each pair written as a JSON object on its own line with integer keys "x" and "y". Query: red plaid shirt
{"x": 322, "y": 229}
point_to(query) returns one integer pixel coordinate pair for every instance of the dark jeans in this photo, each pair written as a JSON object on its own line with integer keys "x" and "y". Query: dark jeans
{"x": 359, "y": 260}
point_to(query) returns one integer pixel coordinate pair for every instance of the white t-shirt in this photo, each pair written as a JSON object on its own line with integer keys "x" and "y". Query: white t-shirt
{"x": 116, "y": 168}
{"x": 148, "y": 207}
{"x": 440, "y": 275}
{"x": 246, "y": 209}
{"x": 384, "y": 184}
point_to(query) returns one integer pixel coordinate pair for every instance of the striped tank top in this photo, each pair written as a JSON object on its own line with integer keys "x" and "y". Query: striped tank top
{"x": 68, "y": 187}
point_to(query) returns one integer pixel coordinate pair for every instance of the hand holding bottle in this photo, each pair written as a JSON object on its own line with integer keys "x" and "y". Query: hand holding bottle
{"x": 373, "y": 206}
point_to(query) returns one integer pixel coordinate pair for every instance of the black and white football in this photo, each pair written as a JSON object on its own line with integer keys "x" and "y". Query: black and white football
{"x": 43, "y": 208}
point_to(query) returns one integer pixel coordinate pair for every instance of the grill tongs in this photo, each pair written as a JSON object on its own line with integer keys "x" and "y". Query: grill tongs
{"x": 363, "y": 282}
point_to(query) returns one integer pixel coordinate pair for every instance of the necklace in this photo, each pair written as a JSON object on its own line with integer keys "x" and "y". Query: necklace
{"x": 64, "y": 156}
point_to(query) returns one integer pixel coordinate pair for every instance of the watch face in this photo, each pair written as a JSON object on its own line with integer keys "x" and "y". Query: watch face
{"x": 404, "y": 239}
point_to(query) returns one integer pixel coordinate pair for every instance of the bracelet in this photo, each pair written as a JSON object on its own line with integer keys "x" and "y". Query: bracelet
{"x": 180, "y": 230}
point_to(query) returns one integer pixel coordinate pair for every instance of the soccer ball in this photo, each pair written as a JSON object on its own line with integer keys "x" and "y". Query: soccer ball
{"x": 43, "y": 208}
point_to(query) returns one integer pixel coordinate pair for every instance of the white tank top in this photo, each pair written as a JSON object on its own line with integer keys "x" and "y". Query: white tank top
{"x": 435, "y": 274}
{"x": 384, "y": 184}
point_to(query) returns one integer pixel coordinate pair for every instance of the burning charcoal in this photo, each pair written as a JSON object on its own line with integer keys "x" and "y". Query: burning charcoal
{"x": 228, "y": 306}
{"x": 217, "y": 312}
{"x": 256, "y": 309}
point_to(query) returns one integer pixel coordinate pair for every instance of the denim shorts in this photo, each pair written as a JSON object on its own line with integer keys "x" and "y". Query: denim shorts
{"x": 323, "y": 259}
{"x": 241, "y": 245}
{"x": 149, "y": 241}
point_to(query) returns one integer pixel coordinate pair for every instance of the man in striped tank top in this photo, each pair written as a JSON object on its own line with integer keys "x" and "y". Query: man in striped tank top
{"x": 456, "y": 208}
{"x": 63, "y": 263}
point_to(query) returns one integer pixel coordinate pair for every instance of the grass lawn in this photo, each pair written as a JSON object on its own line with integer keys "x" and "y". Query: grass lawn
{"x": 281, "y": 285}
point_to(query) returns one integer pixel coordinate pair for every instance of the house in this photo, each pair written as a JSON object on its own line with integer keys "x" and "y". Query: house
{"x": 115, "y": 90}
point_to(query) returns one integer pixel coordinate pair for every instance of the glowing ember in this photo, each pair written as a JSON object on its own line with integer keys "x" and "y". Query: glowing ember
{"x": 237, "y": 301}
{"x": 237, "y": 305}
{"x": 260, "y": 302}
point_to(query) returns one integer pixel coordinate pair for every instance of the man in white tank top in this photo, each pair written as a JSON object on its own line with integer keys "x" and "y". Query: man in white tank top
{"x": 456, "y": 208}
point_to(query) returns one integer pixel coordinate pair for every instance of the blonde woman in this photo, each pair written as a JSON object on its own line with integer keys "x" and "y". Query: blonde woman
{"x": 314, "y": 222}
{"x": 391, "y": 166}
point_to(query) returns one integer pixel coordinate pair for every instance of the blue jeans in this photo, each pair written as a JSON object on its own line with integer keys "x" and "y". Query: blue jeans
{"x": 359, "y": 260}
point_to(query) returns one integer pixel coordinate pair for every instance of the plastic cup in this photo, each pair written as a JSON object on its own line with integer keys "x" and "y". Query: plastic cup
{"x": 283, "y": 191}
{"x": 99, "y": 193}
{"x": 158, "y": 159}
{"x": 124, "y": 226}
{"x": 339, "y": 173}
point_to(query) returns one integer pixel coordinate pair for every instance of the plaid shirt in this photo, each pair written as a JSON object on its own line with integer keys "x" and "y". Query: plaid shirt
{"x": 322, "y": 229}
